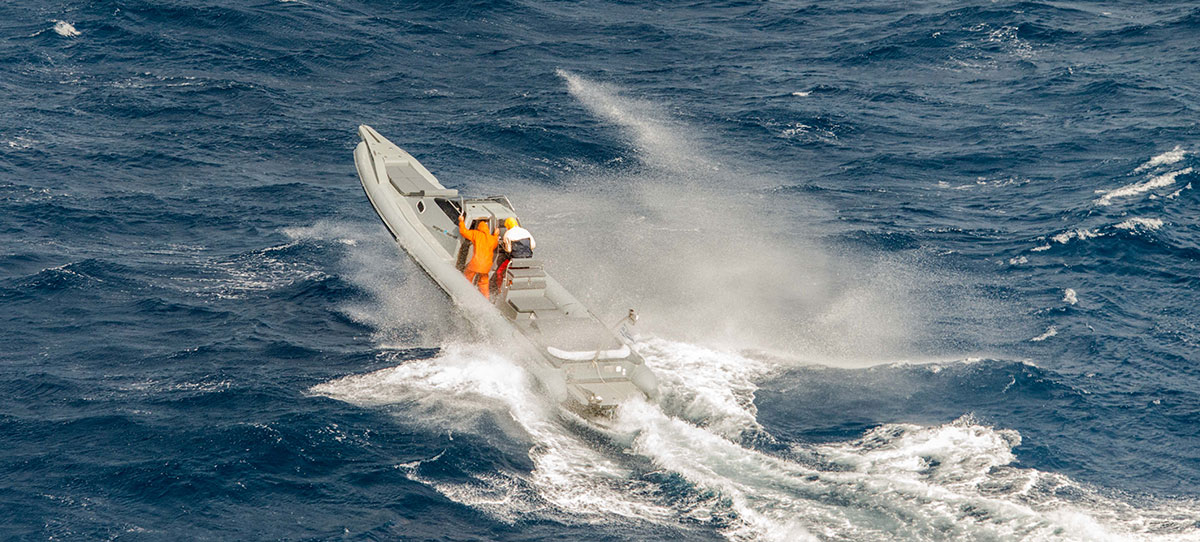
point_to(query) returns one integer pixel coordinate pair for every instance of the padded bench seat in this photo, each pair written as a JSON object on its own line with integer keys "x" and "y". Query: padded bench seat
{"x": 530, "y": 303}
{"x": 525, "y": 273}
{"x": 526, "y": 279}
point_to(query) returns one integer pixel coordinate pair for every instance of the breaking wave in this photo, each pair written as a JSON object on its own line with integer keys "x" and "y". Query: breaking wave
{"x": 1167, "y": 158}
{"x": 1159, "y": 181}
{"x": 1149, "y": 224}
{"x": 65, "y": 29}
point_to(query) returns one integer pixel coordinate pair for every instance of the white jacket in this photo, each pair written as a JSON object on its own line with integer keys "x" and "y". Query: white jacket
{"x": 517, "y": 234}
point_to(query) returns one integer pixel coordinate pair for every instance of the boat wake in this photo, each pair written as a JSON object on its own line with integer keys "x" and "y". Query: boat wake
{"x": 466, "y": 390}
{"x": 691, "y": 462}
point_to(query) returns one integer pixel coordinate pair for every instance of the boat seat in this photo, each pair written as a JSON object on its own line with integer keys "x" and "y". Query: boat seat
{"x": 525, "y": 272}
{"x": 530, "y": 303}
{"x": 409, "y": 181}
{"x": 526, "y": 283}
{"x": 525, "y": 263}
{"x": 526, "y": 279}
{"x": 435, "y": 193}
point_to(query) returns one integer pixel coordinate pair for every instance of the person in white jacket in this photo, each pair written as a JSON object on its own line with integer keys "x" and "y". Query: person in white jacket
{"x": 516, "y": 243}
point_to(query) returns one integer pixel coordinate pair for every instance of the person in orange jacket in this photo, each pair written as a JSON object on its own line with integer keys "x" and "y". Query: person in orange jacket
{"x": 485, "y": 243}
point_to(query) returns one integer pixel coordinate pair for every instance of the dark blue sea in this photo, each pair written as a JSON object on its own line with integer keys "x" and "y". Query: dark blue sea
{"x": 905, "y": 270}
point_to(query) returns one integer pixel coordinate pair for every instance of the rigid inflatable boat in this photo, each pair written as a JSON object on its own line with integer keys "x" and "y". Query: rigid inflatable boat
{"x": 580, "y": 362}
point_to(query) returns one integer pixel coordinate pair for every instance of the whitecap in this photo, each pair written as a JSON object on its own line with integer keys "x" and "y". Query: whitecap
{"x": 21, "y": 143}
{"x": 795, "y": 130}
{"x": 1170, "y": 157}
{"x": 1050, "y": 332}
{"x": 1166, "y": 179}
{"x": 1080, "y": 234}
{"x": 1069, "y": 297}
{"x": 802, "y": 93}
{"x": 65, "y": 29}
{"x": 1150, "y": 224}
{"x": 1007, "y": 36}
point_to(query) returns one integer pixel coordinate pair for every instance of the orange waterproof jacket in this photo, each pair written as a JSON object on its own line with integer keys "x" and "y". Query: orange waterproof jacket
{"x": 485, "y": 246}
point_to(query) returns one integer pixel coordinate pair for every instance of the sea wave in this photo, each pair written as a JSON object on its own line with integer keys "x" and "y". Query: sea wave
{"x": 1166, "y": 179}
{"x": 65, "y": 29}
{"x": 1138, "y": 223}
{"x": 1170, "y": 157}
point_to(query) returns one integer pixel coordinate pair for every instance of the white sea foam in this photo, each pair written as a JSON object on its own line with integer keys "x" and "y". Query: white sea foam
{"x": 1166, "y": 179}
{"x": 1050, "y": 332}
{"x": 1081, "y": 234}
{"x": 65, "y": 29}
{"x": 156, "y": 387}
{"x": 760, "y": 489}
{"x": 950, "y": 480}
{"x": 796, "y": 129}
{"x": 707, "y": 386}
{"x": 802, "y": 93}
{"x": 1170, "y": 157}
{"x": 572, "y": 480}
{"x": 801, "y": 130}
{"x": 1147, "y": 224}
{"x": 959, "y": 477}
{"x": 1069, "y": 297}
{"x": 1008, "y": 37}
{"x": 1176, "y": 193}
{"x": 897, "y": 482}
{"x": 21, "y": 142}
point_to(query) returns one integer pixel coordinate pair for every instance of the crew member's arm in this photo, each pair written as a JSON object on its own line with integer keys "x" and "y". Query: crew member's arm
{"x": 463, "y": 231}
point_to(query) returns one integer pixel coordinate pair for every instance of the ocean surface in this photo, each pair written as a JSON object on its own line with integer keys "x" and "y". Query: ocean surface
{"x": 906, "y": 270}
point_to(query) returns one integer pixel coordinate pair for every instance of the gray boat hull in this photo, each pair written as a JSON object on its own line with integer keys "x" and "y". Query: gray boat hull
{"x": 580, "y": 362}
